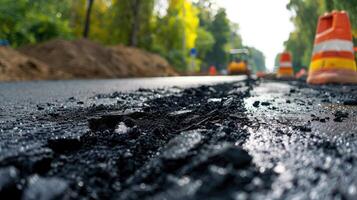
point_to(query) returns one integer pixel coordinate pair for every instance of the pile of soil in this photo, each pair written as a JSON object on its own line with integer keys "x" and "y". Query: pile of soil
{"x": 143, "y": 63}
{"x": 86, "y": 59}
{"x": 16, "y": 66}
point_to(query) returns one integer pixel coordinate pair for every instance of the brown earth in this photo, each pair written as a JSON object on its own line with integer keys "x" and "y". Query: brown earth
{"x": 86, "y": 59}
{"x": 16, "y": 66}
{"x": 143, "y": 63}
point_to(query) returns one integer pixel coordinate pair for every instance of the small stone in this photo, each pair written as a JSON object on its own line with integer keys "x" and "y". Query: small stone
{"x": 214, "y": 100}
{"x": 121, "y": 128}
{"x": 350, "y": 103}
{"x": 256, "y": 104}
{"x": 228, "y": 102}
{"x": 40, "y": 107}
{"x": 179, "y": 112}
{"x": 340, "y": 116}
{"x": 265, "y": 103}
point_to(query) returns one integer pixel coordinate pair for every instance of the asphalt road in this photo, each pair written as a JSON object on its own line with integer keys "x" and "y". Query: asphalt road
{"x": 18, "y": 98}
{"x": 228, "y": 139}
{"x": 43, "y": 91}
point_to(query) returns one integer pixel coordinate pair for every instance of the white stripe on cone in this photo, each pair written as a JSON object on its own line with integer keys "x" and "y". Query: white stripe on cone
{"x": 285, "y": 64}
{"x": 334, "y": 45}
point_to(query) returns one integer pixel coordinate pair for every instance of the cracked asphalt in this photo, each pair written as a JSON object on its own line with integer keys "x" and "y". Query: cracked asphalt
{"x": 178, "y": 138}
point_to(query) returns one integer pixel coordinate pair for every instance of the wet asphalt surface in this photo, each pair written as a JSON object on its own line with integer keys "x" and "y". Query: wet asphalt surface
{"x": 231, "y": 139}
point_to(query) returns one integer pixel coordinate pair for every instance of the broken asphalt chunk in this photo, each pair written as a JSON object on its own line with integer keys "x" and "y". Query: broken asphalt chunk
{"x": 180, "y": 146}
{"x": 236, "y": 156}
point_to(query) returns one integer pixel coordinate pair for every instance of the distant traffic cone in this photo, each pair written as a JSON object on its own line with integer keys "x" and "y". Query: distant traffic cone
{"x": 260, "y": 74}
{"x": 333, "y": 53}
{"x": 302, "y": 74}
{"x": 285, "y": 66}
{"x": 212, "y": 70}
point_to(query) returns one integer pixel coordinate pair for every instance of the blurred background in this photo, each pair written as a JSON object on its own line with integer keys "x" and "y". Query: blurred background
{"x": 76, "y": 39}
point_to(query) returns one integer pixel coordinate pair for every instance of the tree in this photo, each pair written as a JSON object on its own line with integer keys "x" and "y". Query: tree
{"x": 220, "y": 30}
{"x": 87, "y": 20}
{"x": 204, "y": 44}
{"x": 131, "y": 22}
{"x": 235, "y": 40}
{"x": 300, "y": 42}
{"x": 31, "y": 21}
{"x": 176, "y": 32}
{"x": 257, "y": 60}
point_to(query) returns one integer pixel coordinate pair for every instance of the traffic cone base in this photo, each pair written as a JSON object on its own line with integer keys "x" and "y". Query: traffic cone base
{"x": 212, "y": 71}
{"x": 285, "y": 72}
{"x": 335, "y": 76}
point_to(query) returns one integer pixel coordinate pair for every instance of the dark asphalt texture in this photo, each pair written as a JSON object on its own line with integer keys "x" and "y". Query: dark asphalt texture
{"x": 243, "y": 139}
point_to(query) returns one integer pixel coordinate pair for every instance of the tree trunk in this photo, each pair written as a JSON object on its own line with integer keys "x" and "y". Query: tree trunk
{"x": 87, "y": 20}
{"x": 135, "y": 26}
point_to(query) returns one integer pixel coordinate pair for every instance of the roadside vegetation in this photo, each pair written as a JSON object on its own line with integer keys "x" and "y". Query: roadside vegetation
{"x": 171, "y": 28}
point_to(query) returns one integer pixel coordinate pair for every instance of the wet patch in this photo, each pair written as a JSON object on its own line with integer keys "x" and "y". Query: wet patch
{"x": 308, "y": 139}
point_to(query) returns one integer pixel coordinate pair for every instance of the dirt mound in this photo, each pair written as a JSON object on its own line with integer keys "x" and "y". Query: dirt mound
{"x": 86, "y": 59}
{"x": 16, "y": 66}
{"x": 144, "y": 63}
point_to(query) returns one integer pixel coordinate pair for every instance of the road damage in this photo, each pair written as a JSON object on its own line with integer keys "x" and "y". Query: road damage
{"x": 247, "y": 139}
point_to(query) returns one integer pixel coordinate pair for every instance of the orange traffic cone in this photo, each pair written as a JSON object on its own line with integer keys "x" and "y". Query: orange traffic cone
{"x": 302, "y": 74}
{"x": 285, "y": 66}
{"x": 260, "y": 74}
{"x": 212, "y": 70}
{"x": 333, "y": 53}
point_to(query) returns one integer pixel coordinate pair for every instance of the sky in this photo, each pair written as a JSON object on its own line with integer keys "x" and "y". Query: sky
{"x": 264, "y": 24}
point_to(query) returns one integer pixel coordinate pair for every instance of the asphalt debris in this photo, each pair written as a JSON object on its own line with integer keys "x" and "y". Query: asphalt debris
{"x": 224, "y": 141}
{"x": 145, "y": 145}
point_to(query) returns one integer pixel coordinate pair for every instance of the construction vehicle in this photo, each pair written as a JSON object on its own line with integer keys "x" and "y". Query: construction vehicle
{"x": 238, "y": 62}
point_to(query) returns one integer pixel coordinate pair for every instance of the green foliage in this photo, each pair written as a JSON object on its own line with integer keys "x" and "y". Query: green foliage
{"x": 30, "y": 21}
{"x": 221, "y": 31}
{"x": 131, "y": 20}
{"x": 186, "y": 24}
{"x": 301, "y": 41}
{"x": 176, "y": 32}
{"x": 257, "y": 60}
{"x": 235, "y": 40}
{"x": 204, "y": 42}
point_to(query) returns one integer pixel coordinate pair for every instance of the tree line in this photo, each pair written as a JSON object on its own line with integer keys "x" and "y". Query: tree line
{"x": 170, "y": 28}
{"x": 306, "y": 14}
